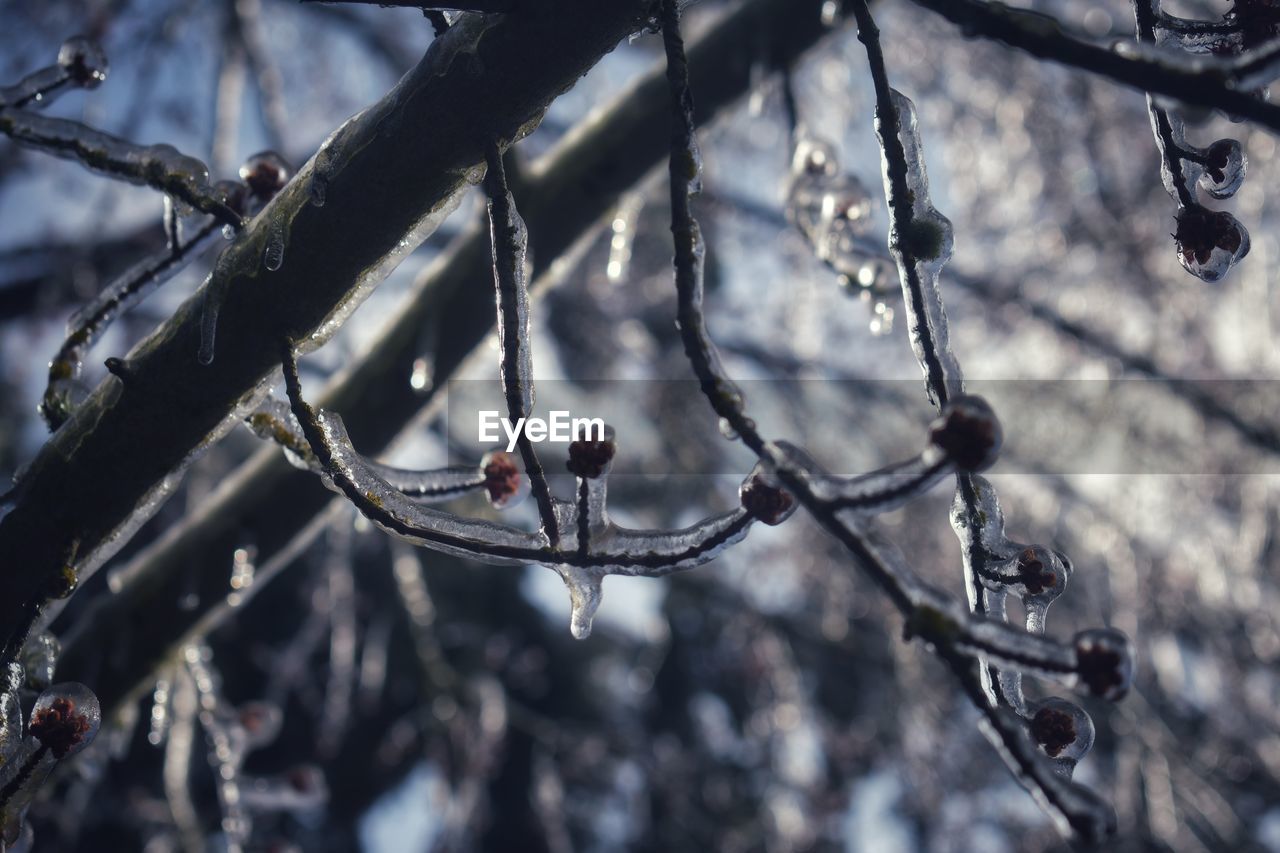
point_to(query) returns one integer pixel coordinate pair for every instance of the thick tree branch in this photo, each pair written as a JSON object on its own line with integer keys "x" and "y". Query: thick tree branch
{"x": 272, "y": 504}
{"x": 401, "y": 161}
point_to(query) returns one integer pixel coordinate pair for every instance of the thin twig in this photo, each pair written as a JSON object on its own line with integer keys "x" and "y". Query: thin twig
{"x": 509, "y": 240}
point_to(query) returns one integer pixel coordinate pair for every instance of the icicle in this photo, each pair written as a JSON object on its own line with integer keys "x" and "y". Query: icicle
{"x": 832, "y": 209}
{"x": 585, "y": 594}
{"x": 40, "y": 659}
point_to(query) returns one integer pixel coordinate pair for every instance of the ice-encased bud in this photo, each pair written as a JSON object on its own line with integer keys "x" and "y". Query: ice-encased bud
{"x": 503, "y": 482}
{"x": 265, "y": 173}
{"x": 1209, "y": 242}
{"x": 84, "y": 61}
{"x": 66, "y": 718}
{"x": 1041, "y": 574}
{"x": 1224, "y": 168}
{"x": 969, "y": 432}
{"x": 231, "y": 193}
{"x": 1104, "y": 662}
{"x": 764, "y": 500}
{"x": 1062, "y": 729}
{"x": 260, "y": 722}
{"x": 589, "y": 458}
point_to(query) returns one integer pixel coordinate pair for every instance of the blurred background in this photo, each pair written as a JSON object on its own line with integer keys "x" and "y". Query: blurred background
{"x": 765, "y": 701}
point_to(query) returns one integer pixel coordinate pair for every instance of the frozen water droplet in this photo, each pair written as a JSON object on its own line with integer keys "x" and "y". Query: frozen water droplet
{"x": 84, "y": 61}
{"x": 65, "y": 718}
{"x": 1061, "y": 728}
{"x": 585, "y": 593}
{"x": 727, "y": 430}
{"x": 273, "y": 255}
{"x": 830, "y": 13}
{"x": 475, "y": 176}
{"x": 228, "y": 232}
{"x": 40, "y": 659}
{"x": 1209, "y": 242}
{"x": 1224, "y": 168}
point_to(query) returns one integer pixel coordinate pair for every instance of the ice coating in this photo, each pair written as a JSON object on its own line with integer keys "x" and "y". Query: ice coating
{"x": 273, "y": 254}
{"x": 1209, "y": 242}
{"x": 65, "y": 718}
{"x": 81, "y": 63}
{"x": 1224, "y": 168}
{"x": 442, "y": 531}
{"x": 273, "y": 421}
{"x": 40, "y": 659}
{"x": 226, "y": 750}
{"x": 122, "y": 293}
{"x": 920, "y": 240}
{"x": 832, "y": 209}
{"x": 1075, "y": 809}
{"x": 160, "y": 167}
{"x": 872, "y": 493}
{"x": 510, "y": 240}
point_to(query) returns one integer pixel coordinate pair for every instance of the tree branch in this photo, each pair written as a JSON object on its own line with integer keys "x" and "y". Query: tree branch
{"x": 401, "y": 162}
{"x": 1043, "y": 37}
{"x": 273, "y": 504}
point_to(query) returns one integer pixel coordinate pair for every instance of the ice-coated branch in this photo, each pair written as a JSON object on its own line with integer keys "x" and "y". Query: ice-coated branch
{"x": 81, "y": 64}
{"x": 510, "y": 240}
{"x": 161, "y": 167}
{"x": 89, "y": 323}
{"x": 685, "y": 168}
{"x": 575, "y": 185}
{"x": 1209, "y": 243}
{"x": 1042, "y": 36}
{"x": 429, "y": 132}
{"x": 919, "y": 237}
{"x": 967, "y": 436}
{"x": 496, "y": 474}
{"x": 602, "y": 548}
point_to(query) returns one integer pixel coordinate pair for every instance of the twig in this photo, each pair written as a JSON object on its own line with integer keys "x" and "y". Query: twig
{"x": 1043, "y": 37}
{"x": 509, "y": 239}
